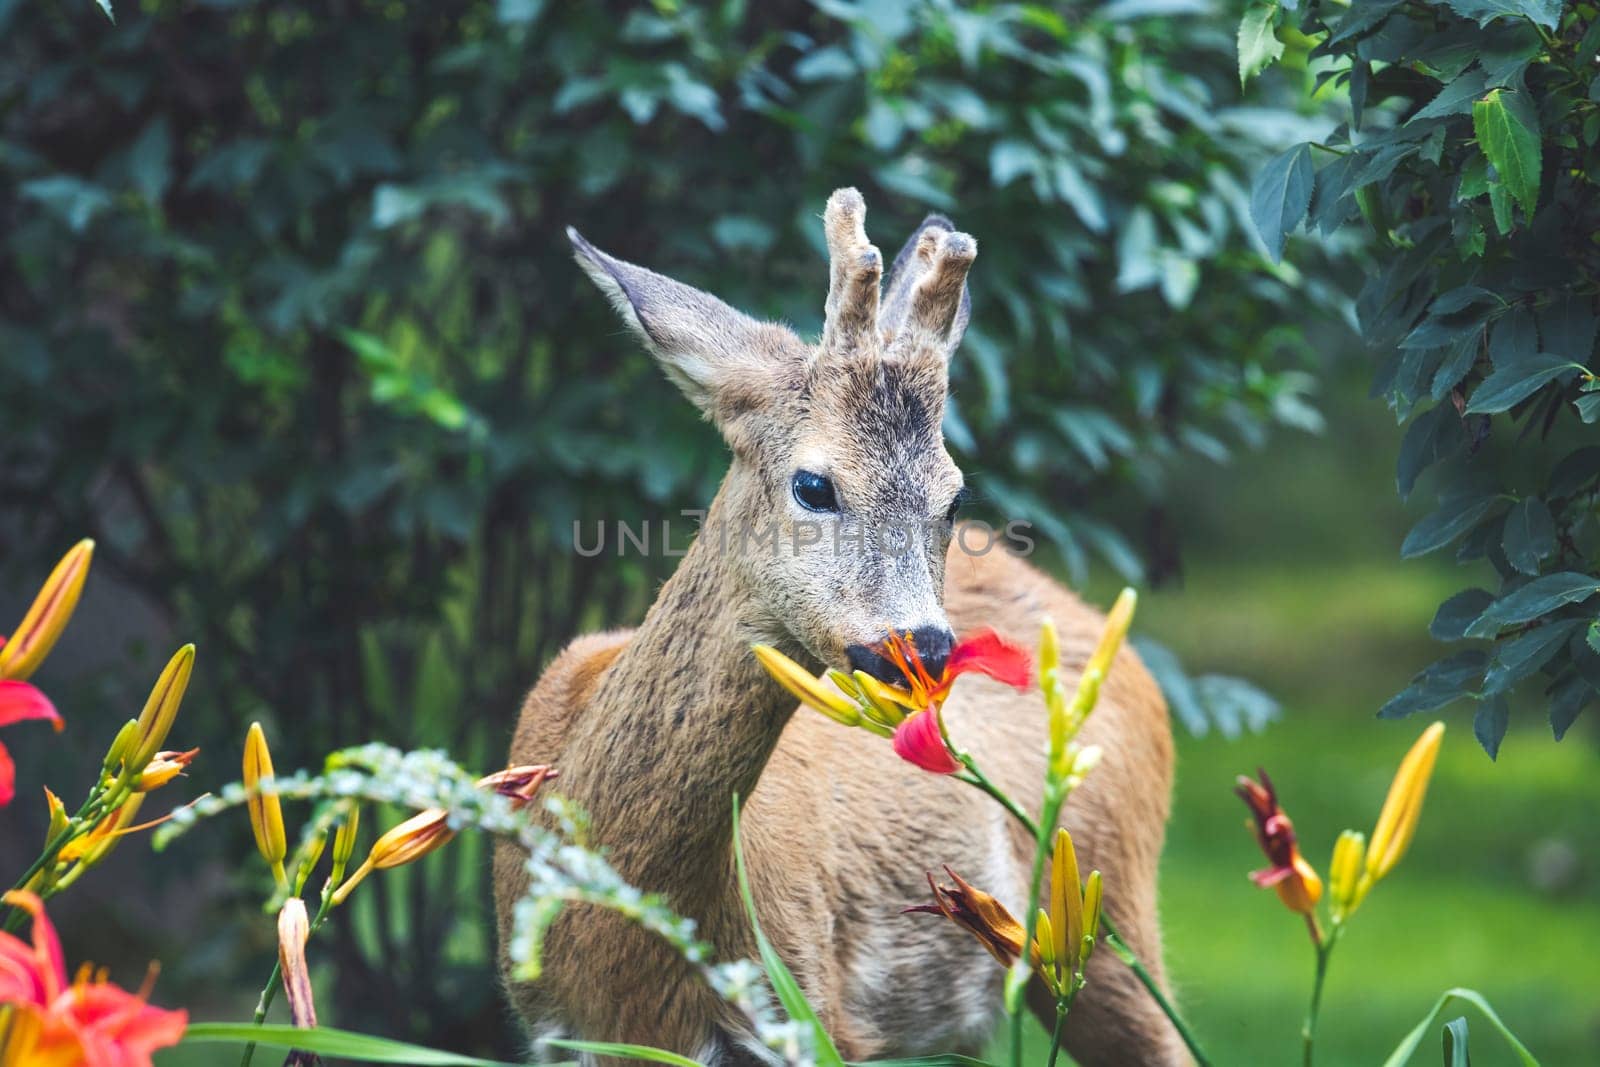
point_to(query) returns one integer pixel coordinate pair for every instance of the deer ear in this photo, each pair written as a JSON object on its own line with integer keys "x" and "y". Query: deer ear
{"x": 706, "y": 347}
{"x": 916, "y": 257}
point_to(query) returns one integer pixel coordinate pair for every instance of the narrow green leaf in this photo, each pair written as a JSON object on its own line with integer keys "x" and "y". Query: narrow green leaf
{"x": 1258, "y": 39}
{"x": 1455, "y": 1043}
{"x": 1280, "y": 195}
{"x": 327, "y": 1041}
{"x": 1489, "y": 724}
{"x": 1412, "y": 1041}
{"x": 1507, "y": 129}
{"x": 1519, "y": 657}
{"x": 1450, "y": 622}
{"x": 1546, "y": 13}
{"x": 783, "y": 982}
{"x": 1455, "y": 98}
{"x": 1438, "y": 684}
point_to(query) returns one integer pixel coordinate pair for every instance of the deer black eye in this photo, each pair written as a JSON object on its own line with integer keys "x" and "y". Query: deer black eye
{"x": 956, "y": 505}
{"x": 814, "y": 491}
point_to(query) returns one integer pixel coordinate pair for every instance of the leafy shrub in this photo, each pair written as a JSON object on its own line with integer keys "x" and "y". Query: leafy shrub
{"x": 1470, "y": 154}
{"x": 288, "y": 324}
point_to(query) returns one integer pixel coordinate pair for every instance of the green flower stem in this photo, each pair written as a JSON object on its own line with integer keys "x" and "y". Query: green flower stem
{"x": 88, "y": 816}
{"x": 1054, "y": 796}
{"x": 1055, "y": 1036}
{"x": 976, "y": 777}
{"x": 275, "y": 979}
{"x": 1324, "y": 946}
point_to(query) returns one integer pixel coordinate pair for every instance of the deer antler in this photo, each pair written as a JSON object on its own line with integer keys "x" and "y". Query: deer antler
{"x": 855, "y": 269}
{"x": 927, "y": 294}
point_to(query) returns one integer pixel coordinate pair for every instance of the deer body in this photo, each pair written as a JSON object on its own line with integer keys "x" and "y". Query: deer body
{"x": 656, "y": 729}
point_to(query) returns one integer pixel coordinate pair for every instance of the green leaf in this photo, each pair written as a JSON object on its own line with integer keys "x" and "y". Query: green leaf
{"x": 327, "y": 1041}
{"x": 1567, "y": 701}
{"x": 1509, "y": 384}
{"x": 623, "y": 1051}
{"x": 1431, "y": 436}
{"x": 1536, "y": 599}
{"x": 1412, "y": 1041}
{"x": 1438, "y": 684}
{"x": 1450, "y": 622}
{"x": 783, "y": 982}
{"x": 1455, "y": 98}
{"x": 1507, "y": 128}
{"x": 1258, "y": 39}
{"x": 1280, "y": 195}
{"x": 1530, "y": 535}
{"x": 1546, "y": 13}
{"x": 1519, "y": 657}
{"x": 1455, "y": 516}
{"x": 1455, "y": 1043}
{"x": 1489, "y": 724}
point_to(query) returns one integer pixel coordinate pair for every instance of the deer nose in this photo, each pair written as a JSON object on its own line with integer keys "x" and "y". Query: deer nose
{"x": 933, "y": 644}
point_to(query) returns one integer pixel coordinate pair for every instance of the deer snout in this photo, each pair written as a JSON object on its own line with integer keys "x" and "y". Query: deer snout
{"x": 933, "y": 644}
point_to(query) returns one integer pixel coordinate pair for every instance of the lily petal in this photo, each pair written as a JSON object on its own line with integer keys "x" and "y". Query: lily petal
{"x": 986, "y": 652}
{"x": 919, "y": 740}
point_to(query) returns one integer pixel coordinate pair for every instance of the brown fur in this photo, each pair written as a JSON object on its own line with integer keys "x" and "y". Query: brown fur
{"x": 654, "y": 730}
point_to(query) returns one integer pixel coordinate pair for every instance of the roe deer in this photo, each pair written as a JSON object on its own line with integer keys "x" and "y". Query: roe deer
{"x": 655, "y": 729}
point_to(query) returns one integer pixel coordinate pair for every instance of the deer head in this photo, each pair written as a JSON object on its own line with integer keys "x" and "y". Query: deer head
{"x": 836, "y": 511}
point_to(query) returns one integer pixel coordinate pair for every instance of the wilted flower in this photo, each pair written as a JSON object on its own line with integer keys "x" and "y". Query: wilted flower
{"x": 294, "y": 929}
{"x": 266, "y": 811}
{"x": 51, "y": 1023}
{"x": 1064, "y": 936}
{"x": 163, "y": 768}
{"x": 430, "y": 829}
{"x": 1296, "y": 880}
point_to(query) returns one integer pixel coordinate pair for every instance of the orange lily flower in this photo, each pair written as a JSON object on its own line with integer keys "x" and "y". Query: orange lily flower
{"x": 20, "y": 701}
{"x": 921, "y": 739}
{"x": 163, "y": 768}
{"x": 1296, "y": 881}
{"x": 54, "y": 1023}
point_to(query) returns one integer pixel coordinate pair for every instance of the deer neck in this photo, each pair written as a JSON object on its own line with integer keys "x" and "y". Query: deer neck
{"x": 682, "y": 720}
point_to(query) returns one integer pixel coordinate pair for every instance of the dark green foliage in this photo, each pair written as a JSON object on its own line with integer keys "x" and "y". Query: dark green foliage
{"x": 1471, "y": 153}
{"x": 288, "y": 323}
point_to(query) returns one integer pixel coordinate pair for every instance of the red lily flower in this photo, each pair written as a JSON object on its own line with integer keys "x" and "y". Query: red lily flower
{"x": 1297, "y": 882}
{"x": 921, "y": 739}
{"x": 86, "y": 1023}
{"x": 19, "y": 701}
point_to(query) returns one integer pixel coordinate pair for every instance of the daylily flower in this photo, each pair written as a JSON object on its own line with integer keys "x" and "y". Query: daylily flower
{"x": 1296, "y": 881}
{"x": 921, "y": 739}
{"x": 19, "y": 702}
{"x": 430, "y": 830}
{"x": 89, "y": 1022}
{"x": 1064, "y": 935}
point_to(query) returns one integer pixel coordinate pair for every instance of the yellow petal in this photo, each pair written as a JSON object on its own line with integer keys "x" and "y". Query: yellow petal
{"x": 1066, "y": 900}
{"x": 36, "y": 634}
{"x": 1397, "y": 822}
{"x": 810, "y": 692}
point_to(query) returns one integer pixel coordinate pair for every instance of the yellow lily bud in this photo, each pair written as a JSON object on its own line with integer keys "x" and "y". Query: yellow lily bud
{"x": 118, "y": 752}
{"x": 890, "y": 702}
{"x": 161, "y": 708}
{"x": 308, "y": 860}
{"x": 1066, "y": 901}
{"x": 1050, "y": 686}
{"x": 163, "y": 768}
{"x": 344, "y": 842}
{"x": 36, "y": 634}
{"x": 793, "y": 677}
{"x": 266, "y": 813}
{"x": 1118, "y": 620}
{"x": 1397, "y": 822}
{"x": 406, "y": 843}
{"x": 1344, "y": 872}
{"x": 1095, "y": 671}
{"x": 1093, "y": 892}
{"x": 58, "y": 817}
